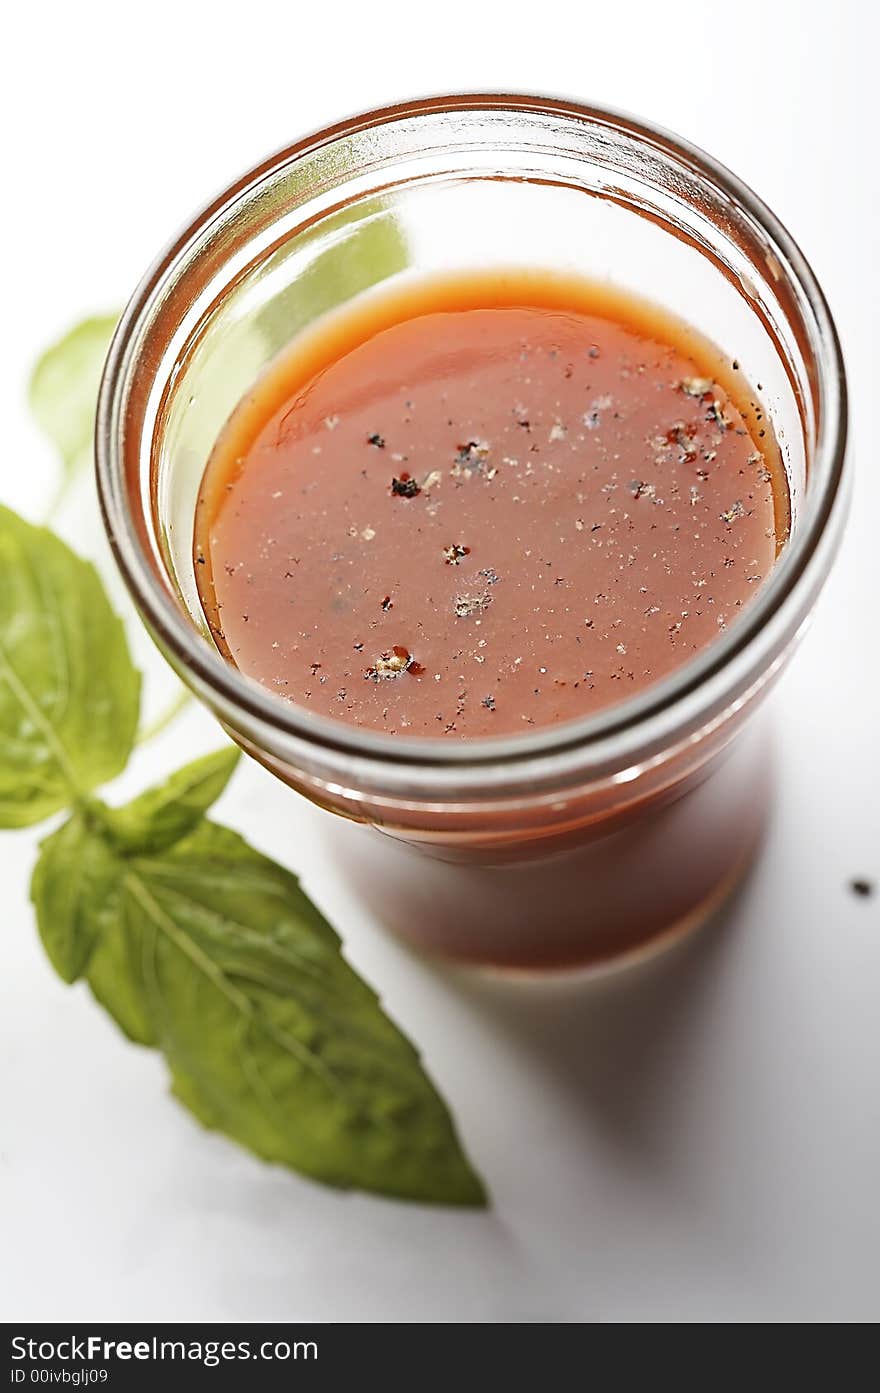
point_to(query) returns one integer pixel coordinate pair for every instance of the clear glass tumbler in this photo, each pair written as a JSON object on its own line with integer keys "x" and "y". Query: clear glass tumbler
{"x": 575, "y": 845}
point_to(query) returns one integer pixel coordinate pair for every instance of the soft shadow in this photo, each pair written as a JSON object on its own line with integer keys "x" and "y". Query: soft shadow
{"x": 615, "y": 1041}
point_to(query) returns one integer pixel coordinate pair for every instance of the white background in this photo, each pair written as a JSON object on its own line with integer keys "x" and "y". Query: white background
{"x": 696, "y": 1140}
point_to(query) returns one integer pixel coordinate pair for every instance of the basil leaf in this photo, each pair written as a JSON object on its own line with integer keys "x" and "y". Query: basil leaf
{"x": 164, "y": 814}
{"x": 360, "y": 246}
{"x": 75, "y": 883}
{"x": 69, "y": 694}
{"x": 212, "y": 953}
{"x": 64, "y": 388}
{"x": 75, "y": 890}
{"x": 116, "y": 973}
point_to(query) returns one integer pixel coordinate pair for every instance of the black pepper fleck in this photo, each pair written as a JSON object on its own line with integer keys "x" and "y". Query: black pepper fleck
{"x": 405, "y": 486}
{"x": 863, "y": 889}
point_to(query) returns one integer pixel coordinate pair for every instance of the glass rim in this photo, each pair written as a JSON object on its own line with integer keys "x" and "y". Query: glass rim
{"x": 616, "y": 734}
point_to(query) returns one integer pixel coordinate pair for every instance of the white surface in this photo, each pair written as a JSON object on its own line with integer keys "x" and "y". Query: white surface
{"x": 698, "y": 1140}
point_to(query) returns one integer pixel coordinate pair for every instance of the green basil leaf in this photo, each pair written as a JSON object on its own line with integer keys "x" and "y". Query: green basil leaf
{"x": 75, "y": 890}
{"x": 361, "y": 246}
{"x": 213, "y": 953}
{"x": 69, "y": 694}
{"x": 64, "y": 388}
{"x": 164, "y": 814}
{"x": 116, "y": 971}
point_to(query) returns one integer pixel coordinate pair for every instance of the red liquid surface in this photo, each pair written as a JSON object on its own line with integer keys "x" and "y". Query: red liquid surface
{"x": 480, "y": 506}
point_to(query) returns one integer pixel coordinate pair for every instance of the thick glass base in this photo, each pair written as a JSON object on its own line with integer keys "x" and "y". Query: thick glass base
{"x": 615, "y": 897}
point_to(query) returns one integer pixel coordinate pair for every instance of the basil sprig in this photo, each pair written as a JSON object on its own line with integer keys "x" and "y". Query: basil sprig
{"x": 195, "y": 943}
{"x": 201, "y": 947}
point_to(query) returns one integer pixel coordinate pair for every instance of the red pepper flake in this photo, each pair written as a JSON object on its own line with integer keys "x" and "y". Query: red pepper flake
{"x": 391, "y": 663}
{"x": 682, "y": 435}
{"x": 453, "y": 554}
{"x": 405, "y": 486}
